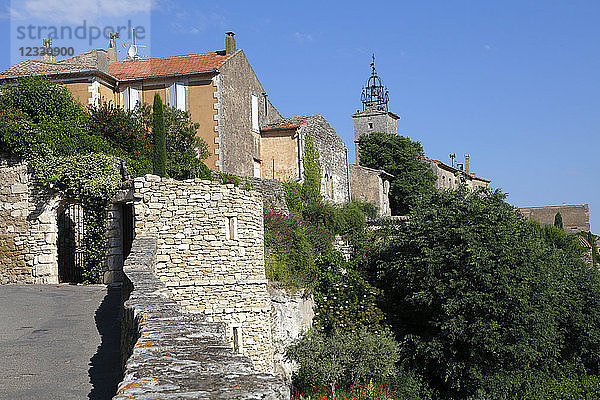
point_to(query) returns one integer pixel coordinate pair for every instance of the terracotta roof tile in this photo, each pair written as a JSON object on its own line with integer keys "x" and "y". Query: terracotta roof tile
{"x": 164, "y": 66}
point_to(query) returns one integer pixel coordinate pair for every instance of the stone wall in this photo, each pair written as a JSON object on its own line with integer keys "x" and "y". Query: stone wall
{"x": 175, "y": 355}
{"x": 576, "y": 218}
{"x": 271, "y": 189}
{"x": 210, "y": 255}
{"x": 29, "y": 229}
{"x": 333, "y": 156}
{"x": 370, "y": 185}
{"x": 292, "y": 315}
{"x": 239, "y": 144}
{"x": 15, "y": 258}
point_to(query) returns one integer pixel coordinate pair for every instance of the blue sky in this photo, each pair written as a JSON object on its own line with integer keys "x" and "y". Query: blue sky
{"x": 516, "y": 84}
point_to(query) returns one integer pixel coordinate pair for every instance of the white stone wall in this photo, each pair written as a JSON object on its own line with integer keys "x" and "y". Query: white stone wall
{"x": 292, "y": 315}
{"x": 210, "y": 255}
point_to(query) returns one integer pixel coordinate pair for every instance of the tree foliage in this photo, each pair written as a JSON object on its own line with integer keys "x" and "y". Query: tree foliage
{"x": 400, "y": 157}
{"x": 311, "y": 187}
{"x": 558, "y": 220}
{"x": 159, "y": 151}
{"x": 344, "y": 358}
{"x": 40, "y": 116}
{"x": 130, "y": 135}
{"x": 473, "y": 290}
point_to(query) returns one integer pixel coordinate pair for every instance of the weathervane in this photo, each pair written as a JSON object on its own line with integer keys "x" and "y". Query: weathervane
{"x": 374, "y": 94}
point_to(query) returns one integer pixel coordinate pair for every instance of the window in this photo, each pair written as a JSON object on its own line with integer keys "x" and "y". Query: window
{"x": 130, "y": 98}
{"x": 237, "y": 339}
{"x": 231, "y": 228}
{"x": 257, "y": 168}
{"x": 370, "y": 125}
{"x": 177, "y": 95}
{"x": 255, "y": 113}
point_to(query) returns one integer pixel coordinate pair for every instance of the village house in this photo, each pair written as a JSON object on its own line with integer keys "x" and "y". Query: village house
{"x": 222, "y": 94}
{"x": 452, "y": 176}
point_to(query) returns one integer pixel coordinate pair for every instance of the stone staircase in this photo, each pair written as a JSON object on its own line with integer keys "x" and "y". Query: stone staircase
{"x": 176, "y": 355}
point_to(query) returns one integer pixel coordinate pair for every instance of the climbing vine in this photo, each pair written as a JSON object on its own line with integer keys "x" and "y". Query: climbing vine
{"x": 89, "y": 180}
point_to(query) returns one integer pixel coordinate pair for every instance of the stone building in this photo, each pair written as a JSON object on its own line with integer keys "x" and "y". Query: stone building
{"x": 219, "y": 89}
{"x": 282, "y": 151}
{"x": 451, "y": 177}
{"x": 367, "y": 184}
{"x": 372, "y": 186}
{"x": 375, "y": 117}
{"x": 222, "y": 94}
{"x": 575, "y": 217}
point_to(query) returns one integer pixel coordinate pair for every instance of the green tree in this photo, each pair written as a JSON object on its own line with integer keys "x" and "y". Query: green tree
{"x": 45, "y": 114}
{"x": 130, "y": 134}
{"x": 311, "y": 188}
{"x": 400, "y": 157}
{"x": 343, "y": 358}
{"x": 473, "y": 290}
{"x": 558, "y": 220}
{"x": 159, "y": 154}
{"x": 41, "y": 122}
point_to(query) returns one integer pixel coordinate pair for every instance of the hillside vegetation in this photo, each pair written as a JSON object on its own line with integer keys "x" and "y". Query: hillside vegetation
{"x": 468, "y": 300}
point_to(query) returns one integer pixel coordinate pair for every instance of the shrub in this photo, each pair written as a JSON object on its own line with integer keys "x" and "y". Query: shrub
{"x": 293, "y": 195}
{"x": 344, "y": 300}
{"x": 558, "y": 220}
{"x": 343, "y": 359}
{"x": 473, "y": 290}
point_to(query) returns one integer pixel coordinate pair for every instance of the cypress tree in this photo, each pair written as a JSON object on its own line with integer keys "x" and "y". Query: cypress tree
{"x": 159, "y": 158}
{"x": 558, "y": 220}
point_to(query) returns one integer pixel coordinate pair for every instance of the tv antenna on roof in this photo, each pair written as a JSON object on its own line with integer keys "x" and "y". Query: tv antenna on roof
{"x": 132, "y": 52}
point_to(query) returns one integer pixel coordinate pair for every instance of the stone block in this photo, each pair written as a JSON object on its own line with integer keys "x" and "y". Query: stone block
{"x": 18, "y": 188}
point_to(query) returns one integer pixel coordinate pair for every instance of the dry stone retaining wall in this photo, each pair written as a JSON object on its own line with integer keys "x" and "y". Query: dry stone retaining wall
{"x": 177, "y": 355}
{"x": 210, "y": 255}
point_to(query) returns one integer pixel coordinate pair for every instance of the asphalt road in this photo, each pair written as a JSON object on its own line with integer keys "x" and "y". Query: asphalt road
{"x": 59, "y": 342}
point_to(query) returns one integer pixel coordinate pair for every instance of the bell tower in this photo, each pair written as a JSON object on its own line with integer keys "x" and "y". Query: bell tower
{"x": 375, "y": 116}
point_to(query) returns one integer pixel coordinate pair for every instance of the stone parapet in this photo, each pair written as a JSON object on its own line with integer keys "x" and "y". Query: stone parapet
{"x": 176, "y": 355}
{"x": 210, "y": 255}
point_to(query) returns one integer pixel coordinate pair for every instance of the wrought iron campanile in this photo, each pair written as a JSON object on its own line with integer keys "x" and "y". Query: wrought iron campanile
{"x": 374, "y": 94}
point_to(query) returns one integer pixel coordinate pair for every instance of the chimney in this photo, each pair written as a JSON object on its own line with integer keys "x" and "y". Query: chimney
{"x": 229, "y": 43}
{"x": 468, "y": 163}
{"x": 48, "y": 54}
{"x": 112, "y": 48}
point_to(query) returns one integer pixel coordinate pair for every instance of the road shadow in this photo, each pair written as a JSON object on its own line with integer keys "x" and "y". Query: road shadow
{"x": 105, "y": 366}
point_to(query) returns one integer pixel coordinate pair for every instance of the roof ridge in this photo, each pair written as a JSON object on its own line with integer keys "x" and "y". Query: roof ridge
{"x": 215, "y": 52}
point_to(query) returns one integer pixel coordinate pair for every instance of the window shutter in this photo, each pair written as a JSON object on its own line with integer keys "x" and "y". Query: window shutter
{"x": 125, "y": 94}
{"x": 133, "y": 97}
{"x": 254, "y": 113}
{"x": 180, "y": 96}
{"x": 172, "y": 95}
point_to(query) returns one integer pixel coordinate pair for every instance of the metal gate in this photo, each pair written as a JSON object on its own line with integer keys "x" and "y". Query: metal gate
{"x": 71, "y": 229}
